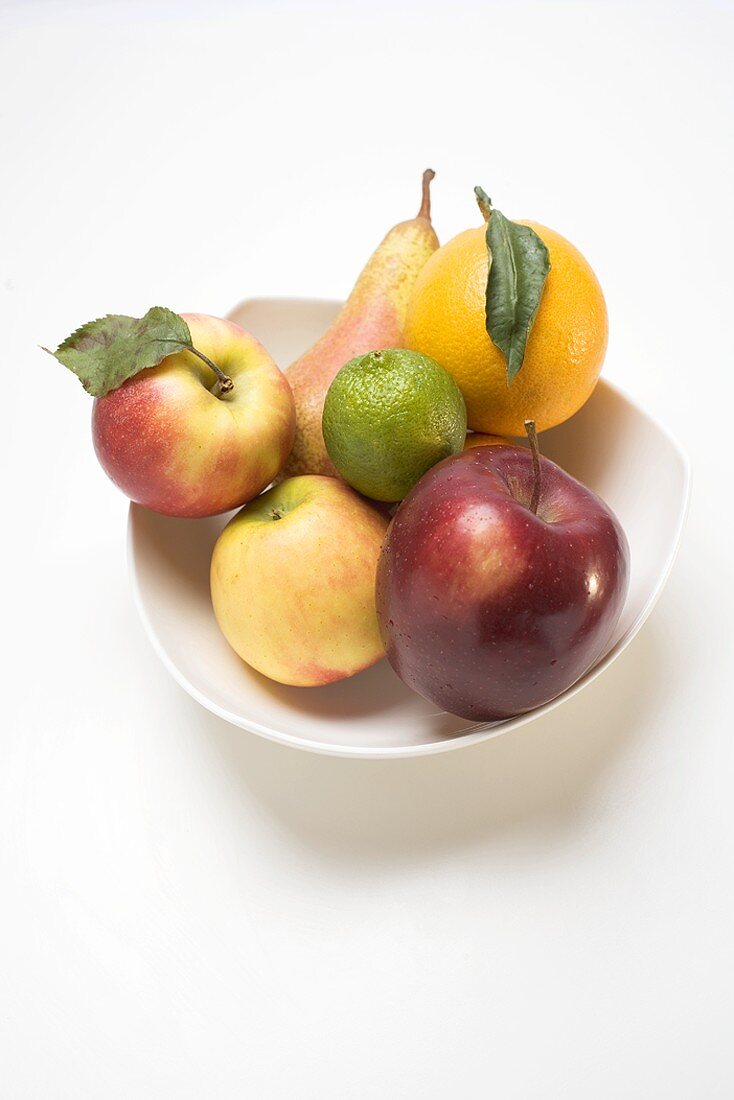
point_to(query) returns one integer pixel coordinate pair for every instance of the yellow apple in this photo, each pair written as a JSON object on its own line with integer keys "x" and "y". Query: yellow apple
{"x": 293, "y": 581}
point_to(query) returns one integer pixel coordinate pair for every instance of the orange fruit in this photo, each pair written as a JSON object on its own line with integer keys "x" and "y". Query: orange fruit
{"x": 565, "y": 349}
{"x": 479, "y": 439}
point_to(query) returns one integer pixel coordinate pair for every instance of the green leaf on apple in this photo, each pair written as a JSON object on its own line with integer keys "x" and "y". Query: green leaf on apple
{"x": 518, "y": 267}
{"x": 105, "y": 353}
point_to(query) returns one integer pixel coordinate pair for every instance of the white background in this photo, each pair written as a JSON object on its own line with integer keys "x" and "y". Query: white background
{"x": 188, "y": 911}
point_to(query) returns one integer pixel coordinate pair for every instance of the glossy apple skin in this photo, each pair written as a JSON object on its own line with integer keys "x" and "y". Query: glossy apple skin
{"x": 171, "y": 445}
{"x": 293, "y": 581}
{"x": 486, "y": 609}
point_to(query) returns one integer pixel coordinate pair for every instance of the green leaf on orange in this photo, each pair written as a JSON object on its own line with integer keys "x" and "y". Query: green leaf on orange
{"x": 518, "y": 269}
{"x": 105, "y": 353}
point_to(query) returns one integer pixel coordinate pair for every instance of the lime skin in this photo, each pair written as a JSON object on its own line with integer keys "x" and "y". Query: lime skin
{"x": 388, "y": 417}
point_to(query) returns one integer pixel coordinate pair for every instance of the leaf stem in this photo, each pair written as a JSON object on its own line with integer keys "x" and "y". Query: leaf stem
{"x": 425, "y": 210}
{"x": 483, "y": 202}
{"x": 224, "y": 383}
{"x": 535, "y": 451}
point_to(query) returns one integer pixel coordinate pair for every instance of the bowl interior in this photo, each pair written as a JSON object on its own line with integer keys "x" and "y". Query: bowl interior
{"x": 610, "y": 445}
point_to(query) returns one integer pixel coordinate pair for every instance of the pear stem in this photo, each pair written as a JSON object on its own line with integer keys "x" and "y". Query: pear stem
{"x": 425, "y": 210}
{"x": 224, "y": 383}
{"x": 535, "y": 451}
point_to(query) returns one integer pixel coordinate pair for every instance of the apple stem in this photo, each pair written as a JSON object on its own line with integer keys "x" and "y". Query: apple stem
{"x": 224, "y": 383}
{"x": 425, "y": 210}
{"x": 535, "y": 451}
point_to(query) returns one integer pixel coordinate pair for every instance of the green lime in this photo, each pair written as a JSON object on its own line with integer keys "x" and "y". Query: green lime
{"x": 388, "y": 417}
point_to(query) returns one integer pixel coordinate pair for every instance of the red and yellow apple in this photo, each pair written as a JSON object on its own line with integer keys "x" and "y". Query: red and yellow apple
{"x": 173, "y": 444}
{"x": 293, "y": 581}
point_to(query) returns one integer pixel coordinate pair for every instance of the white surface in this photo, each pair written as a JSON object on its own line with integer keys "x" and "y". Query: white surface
{"x": 374, "y": 714}
{"x": 189, "y": 911}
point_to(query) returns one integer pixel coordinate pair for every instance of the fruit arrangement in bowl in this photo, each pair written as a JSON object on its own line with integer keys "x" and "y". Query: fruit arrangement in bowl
{"x": 395, "y": 491}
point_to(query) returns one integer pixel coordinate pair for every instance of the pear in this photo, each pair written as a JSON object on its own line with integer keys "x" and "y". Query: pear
{"x": 372, "y": 318}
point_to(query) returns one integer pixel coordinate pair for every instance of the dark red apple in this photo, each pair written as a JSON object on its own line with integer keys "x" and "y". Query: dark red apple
{"x": 486, "y": 608}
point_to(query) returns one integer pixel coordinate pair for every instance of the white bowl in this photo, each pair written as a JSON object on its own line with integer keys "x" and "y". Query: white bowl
{"x": 611, "y": 445}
